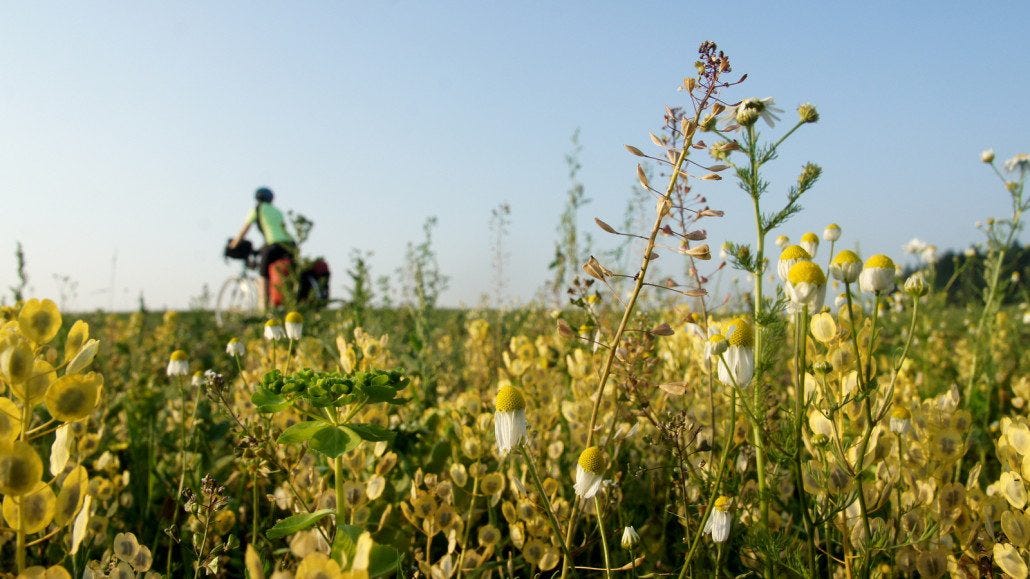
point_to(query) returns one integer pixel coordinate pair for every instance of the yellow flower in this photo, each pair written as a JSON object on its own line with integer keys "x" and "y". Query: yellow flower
{"x": 509, "y": 418}
{"x": 20, "y": 468}
{"x": 36, "y": 509}
{"x": 806, "y": 286}
{"x": 589, "y": 469}
{"x": 39, "y": 320}
{"x": 878, "y": 274}
{"x": 73, "y": 397}
{"x": 810, "y": 243}
{"x": 294, "y": 325}
{"x": 178, "y": 364}
{"x": 788, "y": 257}
{"x": 318, "y": 566}
{"x": 832, "y": 232}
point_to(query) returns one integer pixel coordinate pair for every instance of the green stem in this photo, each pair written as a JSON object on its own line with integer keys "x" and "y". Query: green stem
{"x": 546, "y": 503}
{"x": 468, "y": 526}
{"x": 604, "y": 538}
{"x": 341, "y": 504}
{"x": 867, "y": 391}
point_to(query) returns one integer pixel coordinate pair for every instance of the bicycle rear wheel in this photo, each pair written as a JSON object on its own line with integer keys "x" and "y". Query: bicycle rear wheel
{"x": 237, "y": 301}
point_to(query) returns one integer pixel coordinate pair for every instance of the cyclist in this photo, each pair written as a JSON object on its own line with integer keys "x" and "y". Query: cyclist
{"x": 279, "y": 244}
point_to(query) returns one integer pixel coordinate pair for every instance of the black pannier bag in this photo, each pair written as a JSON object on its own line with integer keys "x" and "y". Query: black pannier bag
{"x": 314, "y": 281}
{"x": 242, "y": 250}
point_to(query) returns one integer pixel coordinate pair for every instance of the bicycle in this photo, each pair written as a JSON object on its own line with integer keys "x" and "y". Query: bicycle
{"x": 239, "y": 296}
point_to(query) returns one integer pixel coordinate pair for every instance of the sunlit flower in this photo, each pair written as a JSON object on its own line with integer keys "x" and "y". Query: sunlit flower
{"x": 788, "y": 257}
{"x": 720, "y": 520}
{"x": 1020, "y": 162}
{"x": 630, "y": 538}
{"x": 294, "y": 325}
{"x": 987, "y": 156}
{"x": 274, "y": 330}
{"x": 715, "y": 346}
{"x": 832, "y": 232}
{"x": 235, "y": 348}
{"x": 589, "y": 469}
{"x": 178, "y": 364}
{"x": 509, "y": 418}
{"x": 846, "y": 266}
{"x": 39, "y": 321}
{"x": 810, "y": 243}
{"x": 20, "y": 468}
{"x": 198, "y": 379}
{"x": 751, "y": 109}
{"x": 738, "y": 363}
{"x": 877, "y": 275}
{"x": 900, "y": 420}
{"x": 782, "y": 241}
{"x": 806, "y": 286}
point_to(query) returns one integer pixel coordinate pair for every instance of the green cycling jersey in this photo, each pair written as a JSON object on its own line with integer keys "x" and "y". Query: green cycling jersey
{"x": 270, "y": 222}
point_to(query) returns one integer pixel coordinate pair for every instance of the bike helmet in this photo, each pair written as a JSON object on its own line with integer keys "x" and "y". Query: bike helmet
{"x": 264, "y": 195}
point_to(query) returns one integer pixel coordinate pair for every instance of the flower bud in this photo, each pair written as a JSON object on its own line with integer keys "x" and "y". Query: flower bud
{"x": 832, "y": 232}
{"x": 987, "y": 156}
{"x": 916, "y": 286}
{"x": 782, "y": 241}
{"x": 807, "y": 113}
{"x": 630, "y": 538}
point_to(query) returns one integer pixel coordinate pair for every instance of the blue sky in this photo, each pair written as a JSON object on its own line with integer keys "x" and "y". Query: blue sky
{"x": 140, "y": 130}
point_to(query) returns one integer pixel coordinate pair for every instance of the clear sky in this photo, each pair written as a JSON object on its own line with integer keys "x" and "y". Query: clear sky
{"x": 135, "y": 133}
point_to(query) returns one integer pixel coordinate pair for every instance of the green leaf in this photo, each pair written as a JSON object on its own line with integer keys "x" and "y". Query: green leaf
{"x": 268, "y": 402}
{"x": 297, "y": 523}
{"x": 382, "y": 560}
{"x": 302, "y": 431}
{"x": 333, "y": 442}
{"x": 372, "y": 432}
{"x": 345, "y": 541}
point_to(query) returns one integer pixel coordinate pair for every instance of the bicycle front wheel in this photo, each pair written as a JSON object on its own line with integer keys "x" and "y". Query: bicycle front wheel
{"x": 237, "y": 301}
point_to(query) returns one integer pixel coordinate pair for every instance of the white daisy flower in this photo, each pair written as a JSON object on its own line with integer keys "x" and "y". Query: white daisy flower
{"x": 294, "y": 325}
{"x": 878, "y": 274}
{"x": 178, "y": 364}
{"x": 509, "y": 418}
{"x": 274, "y": 330}
{"x": 588, "y": 472}
{"x": 720, "y": 520}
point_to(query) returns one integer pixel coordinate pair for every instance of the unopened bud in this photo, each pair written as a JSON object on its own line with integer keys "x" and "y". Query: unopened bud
{"x": 916, "y": 286}
{"x": 987, "y": 156}
{"x": 807, "y": 113}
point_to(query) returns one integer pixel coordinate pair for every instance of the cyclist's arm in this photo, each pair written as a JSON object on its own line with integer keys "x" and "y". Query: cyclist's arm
{"x": 239, "y": 236}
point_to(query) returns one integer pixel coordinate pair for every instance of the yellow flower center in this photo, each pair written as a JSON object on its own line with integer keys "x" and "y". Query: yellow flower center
{"x": 294, "y": 318}
{"x": 806, "y": 272}
{"x": 880, "y": 261}
{"x": 272, "y": 323}
{"x": 179, "y": 356}
{"x": 592, "y": 460}
{"x": 723, "y": 503}
{"x": 833, "y": 226}
{"x": 509, "y": 399}
{"x": 742, "y": 334}
{"x": 810, "y": 238}
{"x": 900, "y": 412}
{"x": 716, "y": 338}
{"x": 846, "y": 257}
{"x": 794, "y": 252}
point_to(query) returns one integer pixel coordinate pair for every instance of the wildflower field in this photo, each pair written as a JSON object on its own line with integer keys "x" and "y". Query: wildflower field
{"x": 838, "y": 417}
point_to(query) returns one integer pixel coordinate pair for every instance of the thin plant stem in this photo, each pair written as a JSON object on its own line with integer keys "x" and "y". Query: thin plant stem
{"x": 547, "y": 503}
{"x": 604, "y": 538}
{"x": 468, "y": 526}
{"x": 800, "y": 403}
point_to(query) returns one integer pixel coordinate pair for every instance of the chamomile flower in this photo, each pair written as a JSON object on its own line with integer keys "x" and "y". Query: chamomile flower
{"x": 846, "y": 266}
{"x": 509, "y": 418}
{"x": 788, "y": 257}
{"x": 715, "y": 346}
{"x": 1020, "y": 162}
{"x": 235, "y": 348}
{"x": 810, "y": 243}
{"x": 878, "y": 274}
{"x": 782, "y": 241}
{"x": 987, "y": 156}
{"x": 900, "y": 420}
{"x": 832, "y": 232}
{"x": 806, "y": 286}
{"x": 588, "y": 472}
{"x": 294, "y": 325}
{"x": 738, "y": 363}
{"x": 178, "y": 364}
{"x": 751, "y": 109}
{"x": 720, "y": 520}
{"x": 198, "y": 379}
{"x": 274, "y": 330}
